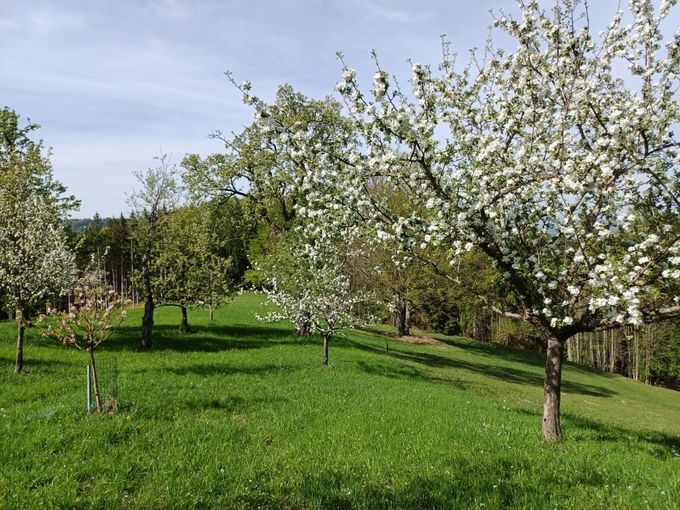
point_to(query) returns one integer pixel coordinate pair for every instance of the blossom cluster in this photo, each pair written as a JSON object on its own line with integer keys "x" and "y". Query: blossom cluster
{"x": 315, "y": 294}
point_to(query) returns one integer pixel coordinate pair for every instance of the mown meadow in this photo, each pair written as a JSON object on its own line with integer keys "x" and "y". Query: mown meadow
{"x": 242, "y": 414}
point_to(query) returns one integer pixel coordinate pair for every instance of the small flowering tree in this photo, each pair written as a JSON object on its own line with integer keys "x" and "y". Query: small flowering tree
{"x": 315, "y": 293}
{"x": 95, "y": 311}
{"x": 557, "y": 160}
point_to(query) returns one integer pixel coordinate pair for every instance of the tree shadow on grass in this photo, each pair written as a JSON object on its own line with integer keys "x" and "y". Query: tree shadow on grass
{"x": 206, "y": 338}
{"x": 38, "y": 365}
{"x": 231, "y": 404}
{"x": 219, "y": 369}
{"x": 507, "y": 374}
{"x": 493, "y": 349}
{"x": 582, "y": 428}
{"x": 496, "y": 350}
{"x": 484, "y": 349}
{"x": 392, "y": 371}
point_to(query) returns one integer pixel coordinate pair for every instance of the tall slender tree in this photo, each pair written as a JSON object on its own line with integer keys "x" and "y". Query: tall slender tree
{"x": 157, "y": 195}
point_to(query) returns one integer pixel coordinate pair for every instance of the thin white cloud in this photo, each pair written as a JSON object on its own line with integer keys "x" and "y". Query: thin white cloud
{"x": 388, "y": 12}
{"x": 173, "y": 8}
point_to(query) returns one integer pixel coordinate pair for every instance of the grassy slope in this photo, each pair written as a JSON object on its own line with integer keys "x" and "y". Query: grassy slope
{"x": 240, "y": 414}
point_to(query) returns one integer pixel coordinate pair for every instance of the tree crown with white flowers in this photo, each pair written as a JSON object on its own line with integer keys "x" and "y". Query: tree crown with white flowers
{"x": 309, "y": 285}
{"x": 564, "y": 173}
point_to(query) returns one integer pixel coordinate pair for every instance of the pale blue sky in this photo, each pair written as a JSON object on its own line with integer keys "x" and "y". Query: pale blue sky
{"x": 113, "y": 82}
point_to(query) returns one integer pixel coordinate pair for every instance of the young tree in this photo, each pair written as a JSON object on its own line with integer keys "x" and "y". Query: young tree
{"x": 95, "y": 311}
{"x": 557, "y": 160}
{"x": 158, "y": 193}
{"x": 313, "y": 291}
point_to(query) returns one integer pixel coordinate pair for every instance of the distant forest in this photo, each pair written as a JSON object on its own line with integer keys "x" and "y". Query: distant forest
{"x": 79, "y": 225}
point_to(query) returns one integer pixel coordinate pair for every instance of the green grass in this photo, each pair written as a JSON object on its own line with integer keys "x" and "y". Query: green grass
{"x": 241, "y": 414}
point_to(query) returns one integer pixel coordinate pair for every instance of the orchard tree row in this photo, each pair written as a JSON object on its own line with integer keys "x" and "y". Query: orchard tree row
{"x": 168, "y": 253}
{"x": 531, "y": 195}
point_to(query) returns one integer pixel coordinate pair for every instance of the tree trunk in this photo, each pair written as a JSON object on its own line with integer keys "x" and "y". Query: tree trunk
{"x": 570, "y": 349}
{"x": 19, "y": 365}
{"x": 326, "y": 340}
{"x": 147, "y": 319}
{"x": 22, "y": 317}
{"x": 184, "y": 327}
{"x": 95, "y": 381}
{"x": 551, "y": 390}
{"x": 403, "y": 318}
{"x": 612, "y": 359}
{"x": 212, "y": 314}
{"x": 635, "y": 354}
{"x": 481, "y": 326}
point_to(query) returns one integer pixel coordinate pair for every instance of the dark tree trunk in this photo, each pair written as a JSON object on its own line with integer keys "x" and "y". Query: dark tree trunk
{"x": 184, "y": 327}
{"x": 551, "y": 389}
{"x": 19, "y": 365}
{"x": 212, "y": 314}
{"x": 147, "y": 319}
{"x": 481, "y": 326}
{"x": 403, "y": 318}
{"x": 326, "y": 340}
{"x": 22, "y": 318}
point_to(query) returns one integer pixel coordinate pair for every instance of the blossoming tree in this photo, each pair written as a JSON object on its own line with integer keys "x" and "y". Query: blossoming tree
{"x": 557, "y": 160}
{"x": 256, "y": 165}
{"x": 314, "y": 291}
{"x": 35, "y": 262}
